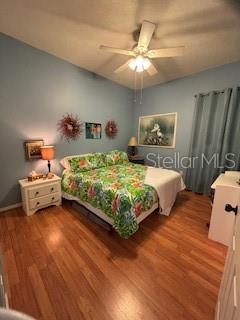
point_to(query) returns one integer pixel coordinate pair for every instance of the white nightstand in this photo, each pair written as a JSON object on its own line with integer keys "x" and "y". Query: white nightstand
{"x": 40, "y": 194}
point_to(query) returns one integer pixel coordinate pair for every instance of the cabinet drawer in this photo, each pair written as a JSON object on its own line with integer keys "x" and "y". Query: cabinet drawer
{"x": 43, "y": 201}
{"x": 40, "y": 191}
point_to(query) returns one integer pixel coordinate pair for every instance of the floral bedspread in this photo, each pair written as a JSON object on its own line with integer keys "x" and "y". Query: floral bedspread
{"x": 118, "y": 190}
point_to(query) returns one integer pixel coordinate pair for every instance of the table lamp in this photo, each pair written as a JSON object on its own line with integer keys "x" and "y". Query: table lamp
{"x": 132, "y": 143}
{"x": 48, "y": 153}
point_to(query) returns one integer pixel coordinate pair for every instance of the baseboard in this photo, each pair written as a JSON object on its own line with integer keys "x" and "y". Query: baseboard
{"x": 12, "y": 206}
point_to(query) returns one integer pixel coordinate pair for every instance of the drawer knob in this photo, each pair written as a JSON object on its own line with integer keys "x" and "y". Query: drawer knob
{"x": 52, "y": 189}
{"x": 38, "y": 203}
{"x": 36, "y": 193}
{"x": 53, "y": 198}
{"x": 229, "y": 208}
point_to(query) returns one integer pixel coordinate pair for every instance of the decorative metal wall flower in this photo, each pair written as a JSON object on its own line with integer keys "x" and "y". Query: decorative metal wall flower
{"x": 111, "y": 129}
{"x": 70, "y": 127}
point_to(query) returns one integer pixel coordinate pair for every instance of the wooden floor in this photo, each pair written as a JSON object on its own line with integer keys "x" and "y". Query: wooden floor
{"x": 60, "y": 265}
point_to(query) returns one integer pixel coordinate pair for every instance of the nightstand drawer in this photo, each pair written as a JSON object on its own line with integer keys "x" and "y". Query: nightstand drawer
{"x": 43, "y": 201}
{"x": 40, "y": 191}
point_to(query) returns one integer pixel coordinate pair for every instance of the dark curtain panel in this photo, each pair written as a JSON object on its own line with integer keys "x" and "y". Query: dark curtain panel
{"x": 216, "y": 129}
{"x": 231, "y": 141}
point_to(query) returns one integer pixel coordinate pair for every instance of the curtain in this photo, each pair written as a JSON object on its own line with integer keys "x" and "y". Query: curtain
{"x": 215, "y": 142}
{"x": 231, "y": 141}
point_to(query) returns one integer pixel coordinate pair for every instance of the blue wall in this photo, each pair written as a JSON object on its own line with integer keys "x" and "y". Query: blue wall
{"x": 36, "y": 90}
{"x": 178, "y": 96}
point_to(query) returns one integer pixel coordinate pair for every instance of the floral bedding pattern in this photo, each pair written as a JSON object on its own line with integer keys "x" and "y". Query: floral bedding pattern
{"x": 118, "y": 190}
{"x": 97, "y": 160}
{"x": 87, "y": 162}
{"x": 115, "y": 157}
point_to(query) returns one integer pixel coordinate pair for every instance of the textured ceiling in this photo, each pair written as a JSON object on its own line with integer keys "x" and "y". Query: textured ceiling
{"x": 74, "y": 29}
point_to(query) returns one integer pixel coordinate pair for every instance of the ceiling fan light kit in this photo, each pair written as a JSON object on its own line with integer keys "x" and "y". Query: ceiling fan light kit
{"x": 139, "y": 63}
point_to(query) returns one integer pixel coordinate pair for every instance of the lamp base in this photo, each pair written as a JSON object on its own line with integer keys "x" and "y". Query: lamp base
{"x": 132, "y": 151}
{"x": 49, "y": 166}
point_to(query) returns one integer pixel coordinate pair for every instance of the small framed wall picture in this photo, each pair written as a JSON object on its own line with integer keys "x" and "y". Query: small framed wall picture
{"x": 32, "y": 149}
{"x": 93, "y": 130}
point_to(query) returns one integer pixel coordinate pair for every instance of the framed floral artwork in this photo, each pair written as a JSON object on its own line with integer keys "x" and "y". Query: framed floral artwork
{"x": 158, "y": 130}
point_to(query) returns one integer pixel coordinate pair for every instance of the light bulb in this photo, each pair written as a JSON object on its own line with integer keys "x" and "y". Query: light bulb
{"x": 146, "y": 63}
{"x": 140, "y": 68}
{"x": 132, "y": 64}
{"x": 139, "y": 64}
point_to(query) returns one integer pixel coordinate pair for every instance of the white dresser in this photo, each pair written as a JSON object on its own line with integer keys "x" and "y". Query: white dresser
{"x": 227, "y": 191}
{"x": 40, "y": 193}
{"x": 228, "y": 304}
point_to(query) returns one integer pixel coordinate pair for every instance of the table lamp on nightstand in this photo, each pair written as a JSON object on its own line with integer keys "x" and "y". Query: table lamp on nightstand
{"x": 48, "y": 153}
{"x": 132, "y": 146}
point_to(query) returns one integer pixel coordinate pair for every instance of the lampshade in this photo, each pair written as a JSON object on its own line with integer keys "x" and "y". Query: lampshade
{"x": 132, "y": 142}
{"x": 48, "y": 152}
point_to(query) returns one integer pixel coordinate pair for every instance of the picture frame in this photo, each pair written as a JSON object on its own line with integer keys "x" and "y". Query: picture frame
{"x": 158, "y": 130}
{"x": 32, "y": 149}
{"x": 93, "y": 130}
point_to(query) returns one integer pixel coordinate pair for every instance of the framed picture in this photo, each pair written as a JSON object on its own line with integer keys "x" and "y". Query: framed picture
{"x": 93, "y": 130}
{"x": 158, "y": 130}
{"x": 32, "y": 149}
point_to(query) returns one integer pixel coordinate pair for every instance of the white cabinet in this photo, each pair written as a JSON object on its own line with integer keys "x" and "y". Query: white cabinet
{"x": 228, "y": 305}
{"x": 227, "y": 191}
{"x": 3, "y": 294}
{"x": 40, "y": 194}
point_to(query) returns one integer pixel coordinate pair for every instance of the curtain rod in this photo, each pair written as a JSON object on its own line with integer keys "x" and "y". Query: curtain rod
{"x": 214, "y": 91}
{"x": 207, "y": 94}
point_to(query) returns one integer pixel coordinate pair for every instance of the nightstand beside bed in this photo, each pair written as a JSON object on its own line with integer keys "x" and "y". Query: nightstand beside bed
{"x": 137, "y": 160}
{"x": 40, "y": 194}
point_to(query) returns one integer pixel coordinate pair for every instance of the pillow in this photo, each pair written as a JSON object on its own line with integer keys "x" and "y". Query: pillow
{"x": 87, "y": 162}
{"x": 65, "y": 161}
{"x": 115, "y": 157}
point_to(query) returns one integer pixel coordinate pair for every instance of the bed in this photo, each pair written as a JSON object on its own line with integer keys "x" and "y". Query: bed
{"x": 121, "y": 193}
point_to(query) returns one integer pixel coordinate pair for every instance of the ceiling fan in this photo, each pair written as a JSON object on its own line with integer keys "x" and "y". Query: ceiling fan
{"x": 141, "y": 56}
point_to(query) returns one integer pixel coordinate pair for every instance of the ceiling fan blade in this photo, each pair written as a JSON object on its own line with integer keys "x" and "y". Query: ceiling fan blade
{"x": 166, "y": 52}
{"x": 116, "y": 50}
{"x": 151, "y": 70}
{"x": 145, "y": 35}
{"x": 122, "y": 67}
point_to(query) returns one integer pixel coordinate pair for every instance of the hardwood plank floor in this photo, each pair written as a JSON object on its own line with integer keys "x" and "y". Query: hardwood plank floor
{"x": 60, "y": 265}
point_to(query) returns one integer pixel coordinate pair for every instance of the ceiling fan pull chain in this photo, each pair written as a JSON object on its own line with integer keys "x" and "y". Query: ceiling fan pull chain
{"x": 141, "y": 92}
{"x": 135, "y": 86}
